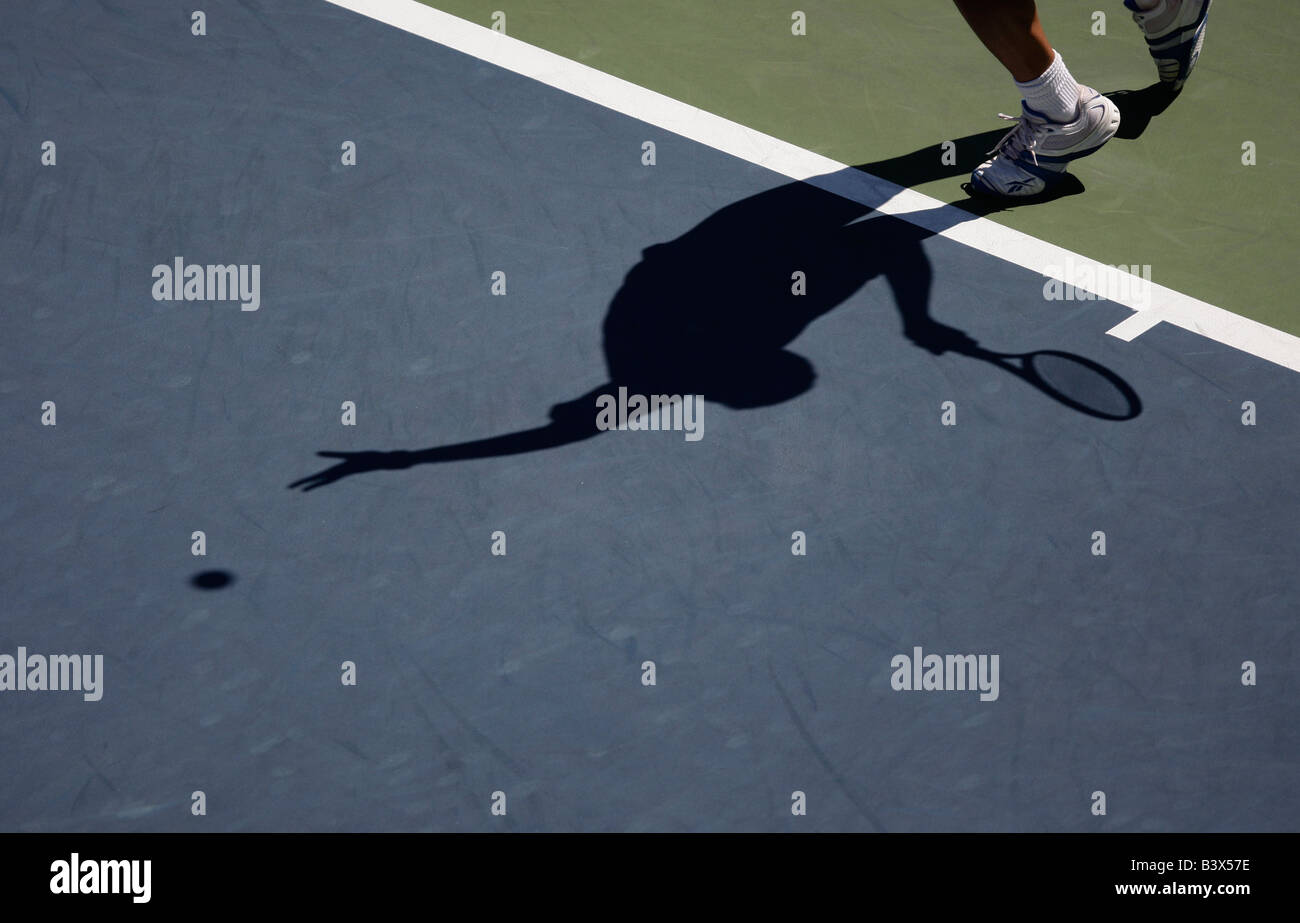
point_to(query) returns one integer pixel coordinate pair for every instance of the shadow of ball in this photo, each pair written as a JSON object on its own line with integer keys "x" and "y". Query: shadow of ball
{"x": 212, "y": 579}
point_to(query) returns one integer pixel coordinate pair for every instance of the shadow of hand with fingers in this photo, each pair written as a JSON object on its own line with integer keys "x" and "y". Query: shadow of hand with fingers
{"x": 712, "y": 312}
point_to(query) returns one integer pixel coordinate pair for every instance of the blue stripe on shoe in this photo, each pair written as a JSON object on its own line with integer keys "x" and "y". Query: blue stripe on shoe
{"x": 1194, "y": 27}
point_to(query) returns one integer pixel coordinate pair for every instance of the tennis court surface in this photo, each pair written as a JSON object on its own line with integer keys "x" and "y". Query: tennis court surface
{"x": 441, "y": 261}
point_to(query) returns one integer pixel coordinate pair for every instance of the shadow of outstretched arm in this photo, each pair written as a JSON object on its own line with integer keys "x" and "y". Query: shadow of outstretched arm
{"x": 573, "y": 421}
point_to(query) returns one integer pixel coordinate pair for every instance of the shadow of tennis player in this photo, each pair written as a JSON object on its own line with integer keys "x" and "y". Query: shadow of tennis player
{"x": 712, "y": 312}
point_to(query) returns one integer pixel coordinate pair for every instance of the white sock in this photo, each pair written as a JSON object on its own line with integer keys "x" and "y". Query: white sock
{"x": 1055, "y": 93}
{"x": 1146, "y": 5}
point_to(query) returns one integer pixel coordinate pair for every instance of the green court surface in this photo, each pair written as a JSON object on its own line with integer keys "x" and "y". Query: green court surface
{"x": 875, "y": 79}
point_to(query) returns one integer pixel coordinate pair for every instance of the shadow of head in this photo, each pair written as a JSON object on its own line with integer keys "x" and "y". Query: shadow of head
{"x": 713, "y": 311}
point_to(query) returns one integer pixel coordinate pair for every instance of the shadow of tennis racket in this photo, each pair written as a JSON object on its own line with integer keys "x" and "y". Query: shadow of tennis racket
{"x": 1078, "y": 383}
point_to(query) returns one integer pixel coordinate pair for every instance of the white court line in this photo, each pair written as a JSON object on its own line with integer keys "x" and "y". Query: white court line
{"x": 1163, "y": 304}
{"x": 1135, "y": 325}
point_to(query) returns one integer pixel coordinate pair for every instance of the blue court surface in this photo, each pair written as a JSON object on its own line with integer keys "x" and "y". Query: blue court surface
{"x": 524, "y": 673}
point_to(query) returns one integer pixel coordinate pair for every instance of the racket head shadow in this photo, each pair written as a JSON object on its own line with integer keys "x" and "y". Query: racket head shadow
{"x": 1082, "y": 384}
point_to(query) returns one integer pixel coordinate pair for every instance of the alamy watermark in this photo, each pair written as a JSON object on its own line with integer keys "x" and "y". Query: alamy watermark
{"x": 53, "y": 673}
{"x": 946, "y": 673}
{"x": 1084, "y": 280}
{"x": 240, "y": 282}
{"x": 653, "y": 412}
{"x": 75, "y": 875}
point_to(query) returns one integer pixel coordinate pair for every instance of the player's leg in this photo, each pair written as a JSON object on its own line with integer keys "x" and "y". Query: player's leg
{"x": 1060, "y": 119}
{"x": 1175, "y": 31}
{"x": 1011, "y": 30}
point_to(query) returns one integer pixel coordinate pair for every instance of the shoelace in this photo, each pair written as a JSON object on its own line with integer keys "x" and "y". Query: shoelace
{"x": 1013, "y": 135}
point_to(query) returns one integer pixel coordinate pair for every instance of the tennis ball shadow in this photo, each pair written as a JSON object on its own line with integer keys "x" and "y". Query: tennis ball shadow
{"x": 212, "y": 579}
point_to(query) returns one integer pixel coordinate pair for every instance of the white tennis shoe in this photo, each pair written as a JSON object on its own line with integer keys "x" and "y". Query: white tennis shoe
{"x": 1175, "y": 32}
{"x": 1032, "y": 157}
